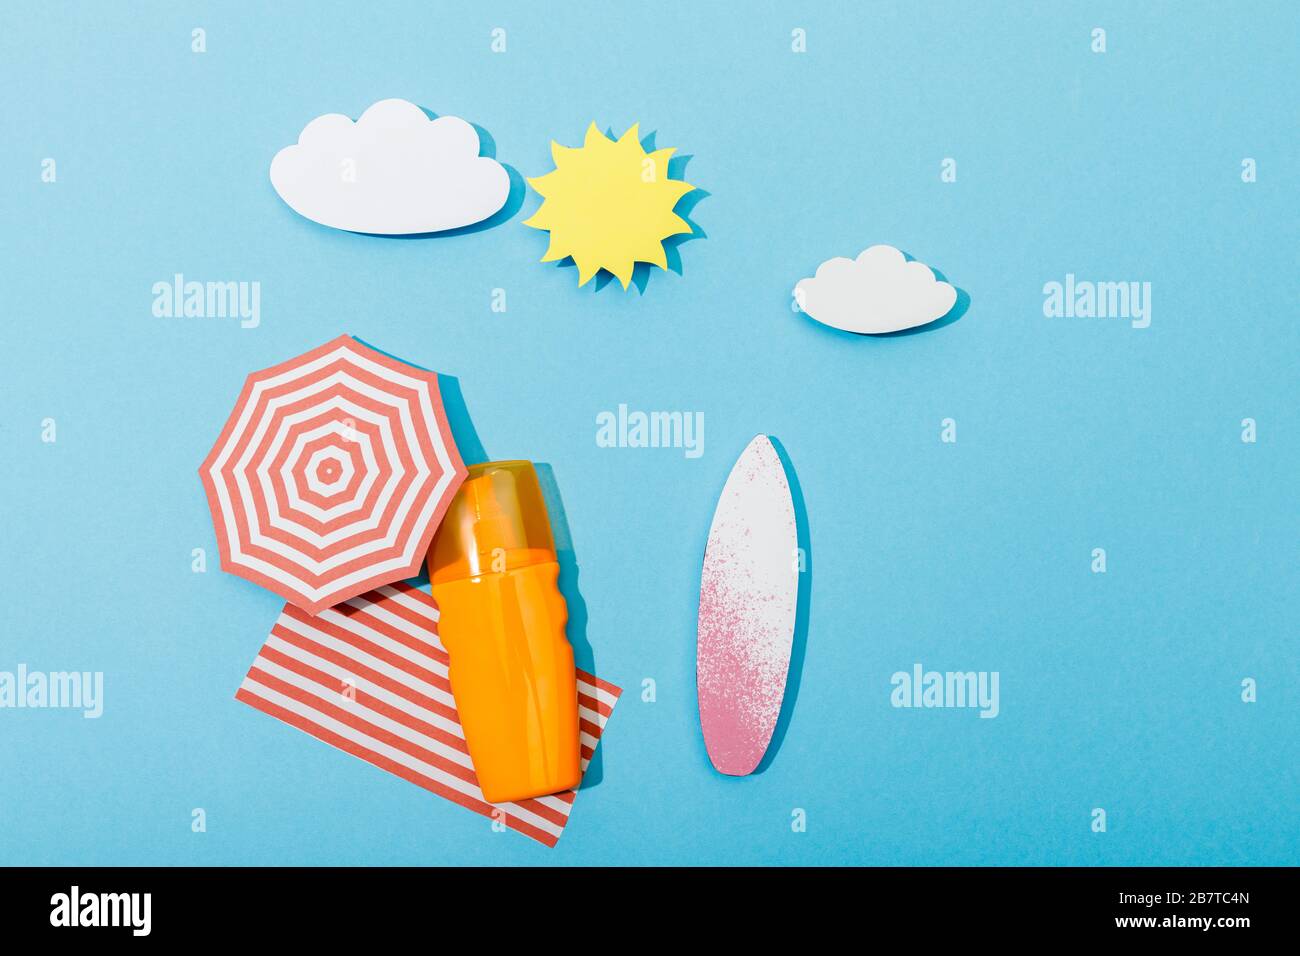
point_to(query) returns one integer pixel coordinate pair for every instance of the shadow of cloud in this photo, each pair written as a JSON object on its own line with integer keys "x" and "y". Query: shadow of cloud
{"x": 487, "y": 147}
{"x": 955, "y": 314}
{"x": 959, "y": 309}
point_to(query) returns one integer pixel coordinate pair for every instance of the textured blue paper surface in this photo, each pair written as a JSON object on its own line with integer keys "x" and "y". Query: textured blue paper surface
{"x": 1119, "y": 691}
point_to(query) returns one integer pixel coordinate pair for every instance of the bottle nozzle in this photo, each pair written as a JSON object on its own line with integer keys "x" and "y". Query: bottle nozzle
{"x": 496, "y": 522}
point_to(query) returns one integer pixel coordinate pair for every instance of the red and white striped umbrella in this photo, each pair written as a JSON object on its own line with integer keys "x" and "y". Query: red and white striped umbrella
{"x": 332, "y": 474}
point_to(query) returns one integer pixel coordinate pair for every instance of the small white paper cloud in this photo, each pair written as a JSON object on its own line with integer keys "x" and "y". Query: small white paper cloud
{"x": 879, "y": 291}
{"x": 393, "y": 172}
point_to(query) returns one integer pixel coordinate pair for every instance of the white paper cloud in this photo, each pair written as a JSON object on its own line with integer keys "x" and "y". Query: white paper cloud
{"x": 394, "y": 172}
{"x": 879, "y": 291}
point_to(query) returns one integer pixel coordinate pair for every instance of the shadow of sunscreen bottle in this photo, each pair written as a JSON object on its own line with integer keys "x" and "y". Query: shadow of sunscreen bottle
{"x": 494, "y": 574}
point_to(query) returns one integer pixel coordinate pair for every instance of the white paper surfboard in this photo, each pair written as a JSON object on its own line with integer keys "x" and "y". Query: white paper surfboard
{"x": 749, "y": 592}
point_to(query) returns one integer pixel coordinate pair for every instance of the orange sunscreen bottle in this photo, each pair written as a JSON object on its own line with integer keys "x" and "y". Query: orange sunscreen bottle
{"x": 501, "y": 618}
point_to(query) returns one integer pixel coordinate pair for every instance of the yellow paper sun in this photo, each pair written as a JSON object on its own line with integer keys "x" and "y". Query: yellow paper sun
{"x": 609, "y": 205}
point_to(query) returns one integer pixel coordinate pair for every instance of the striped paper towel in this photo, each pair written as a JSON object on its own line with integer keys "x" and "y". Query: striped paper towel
{"x": 369, "y": 676}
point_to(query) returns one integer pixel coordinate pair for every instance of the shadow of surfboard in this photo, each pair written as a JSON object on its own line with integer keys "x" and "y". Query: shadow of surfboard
{"x": 799, "y": 646}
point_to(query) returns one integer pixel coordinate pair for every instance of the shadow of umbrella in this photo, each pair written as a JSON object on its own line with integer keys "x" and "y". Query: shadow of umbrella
{"x": 463, "y": 432}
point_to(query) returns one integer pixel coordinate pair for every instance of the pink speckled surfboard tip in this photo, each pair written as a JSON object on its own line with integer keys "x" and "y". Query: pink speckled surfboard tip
{"x": 748, "y": 599}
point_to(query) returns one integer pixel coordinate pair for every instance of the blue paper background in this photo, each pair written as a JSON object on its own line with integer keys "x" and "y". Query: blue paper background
{"x": 1119, "y": 691}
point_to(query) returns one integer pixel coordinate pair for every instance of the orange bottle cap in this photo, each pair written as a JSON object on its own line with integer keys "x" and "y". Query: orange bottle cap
{"x": 496, "y": 522}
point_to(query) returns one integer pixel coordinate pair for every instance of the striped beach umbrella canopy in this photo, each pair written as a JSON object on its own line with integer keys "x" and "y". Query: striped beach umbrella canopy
{"x": 331, "y": 474}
